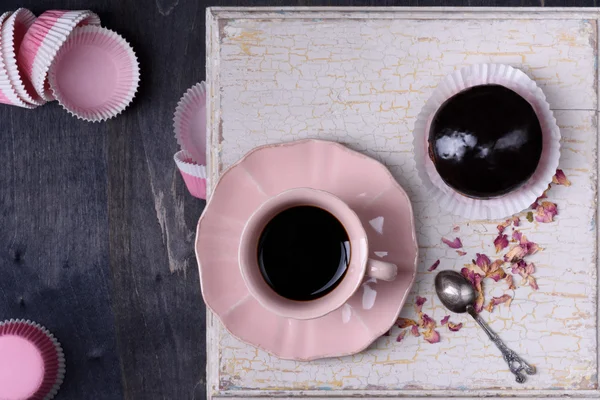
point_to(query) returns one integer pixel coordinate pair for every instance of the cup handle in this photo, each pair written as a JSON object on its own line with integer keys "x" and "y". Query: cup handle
{"x": 381, "y": 270}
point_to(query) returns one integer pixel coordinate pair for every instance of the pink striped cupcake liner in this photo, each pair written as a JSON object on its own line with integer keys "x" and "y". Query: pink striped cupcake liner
{"x": 95, "y": 74}
{"x": 13, "y": 32}
{"x": 44, "y": 39}
{"x": 194, "y": 175}
{"x": 189, "y": 122}
{"x": 8, "y": 94}
{"x": 32, "y": 363}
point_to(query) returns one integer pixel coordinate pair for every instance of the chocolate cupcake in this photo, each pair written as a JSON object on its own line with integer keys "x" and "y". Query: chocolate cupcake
{"x": 486, "y": 142}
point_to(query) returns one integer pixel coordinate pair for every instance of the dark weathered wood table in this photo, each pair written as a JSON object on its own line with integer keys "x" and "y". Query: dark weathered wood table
{"x": 96, "y": 227}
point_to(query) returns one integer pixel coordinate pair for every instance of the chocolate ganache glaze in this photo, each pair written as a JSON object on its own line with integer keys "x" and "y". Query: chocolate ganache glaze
{"x": 485, "y": 141}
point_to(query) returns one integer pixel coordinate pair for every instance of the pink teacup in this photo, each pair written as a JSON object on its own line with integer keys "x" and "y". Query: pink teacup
{"x": 358, "y": 266}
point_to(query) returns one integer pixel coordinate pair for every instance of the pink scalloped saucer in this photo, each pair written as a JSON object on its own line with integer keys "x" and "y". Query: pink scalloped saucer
{"x": 361, "y": 182}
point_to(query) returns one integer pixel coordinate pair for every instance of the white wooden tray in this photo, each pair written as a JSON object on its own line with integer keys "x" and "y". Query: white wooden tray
{"x": 360, "y": 76}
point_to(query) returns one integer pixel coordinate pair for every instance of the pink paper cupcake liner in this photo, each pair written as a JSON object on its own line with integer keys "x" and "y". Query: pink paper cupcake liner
{"x": 13, "y": 31}
{"x": 32, "y": 363}
{"x": 513, "y": 202}
{"x": 44, "y": 39}
{"x": 8, "y": 94}
{"x": 189, "y": 122}
{"x": 95, "y": 74}
{"x": 194, "y": 175}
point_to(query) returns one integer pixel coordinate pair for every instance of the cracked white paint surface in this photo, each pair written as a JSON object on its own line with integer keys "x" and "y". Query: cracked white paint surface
{"x": 363, "y": 82}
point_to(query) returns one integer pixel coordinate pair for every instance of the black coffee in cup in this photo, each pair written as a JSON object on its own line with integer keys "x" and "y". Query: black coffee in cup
{"x": 303, "y": 253}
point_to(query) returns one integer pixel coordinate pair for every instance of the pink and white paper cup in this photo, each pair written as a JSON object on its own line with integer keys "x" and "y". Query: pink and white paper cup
{"x": 95, "y": 74}
{"x": 44, "y": 39}
{"x": 189, "y": 122}
{"x": 32, "y": 363}
{"x": 8, "y": 94}
{"x": 518, "y": 199}
{"x": 13, "y": 32}
{"x": 194, "y": 174}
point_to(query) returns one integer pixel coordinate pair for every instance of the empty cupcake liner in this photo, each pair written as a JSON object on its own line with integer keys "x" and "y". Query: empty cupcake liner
{"x": 44, "y": 39}
{"x": 194, "y": 175}
{"x": 75, "y": 76}
{"x": 50, "y": 352}
{"x": 189, "y": 122}
{"x": 13, "y": 31}
{"x": 513, "y": 202}
{"x": 8, "y": 94}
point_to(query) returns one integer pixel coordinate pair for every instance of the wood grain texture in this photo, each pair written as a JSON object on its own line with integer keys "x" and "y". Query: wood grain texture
{"x": 96, "y": 227}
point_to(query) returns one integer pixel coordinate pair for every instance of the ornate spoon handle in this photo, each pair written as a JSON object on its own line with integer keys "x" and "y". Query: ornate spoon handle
{"x": 515, "y": 363}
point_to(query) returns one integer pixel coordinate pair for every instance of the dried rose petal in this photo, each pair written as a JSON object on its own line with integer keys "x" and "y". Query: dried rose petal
{"x": 469, "y": 272}
{"x": 405, "y": 323}
{"x": 546, "y": 212}
{"x": 515, "y": 254}
{"x": 544, "y": 195}
{"x": 501, "y": 227}
{"x": 496, "y": 271}
{"x": 501, "y": 242}
{"x": 516, "y": 236}
{"x": 530, "y": 247}
{"x": 530, "y": 268}
{"x": 419, "y": 303}
{"x": 461, "y": 253}
{"x": 454, "y": 327}
{"x": 510, "y": 282}
{"x": 512, "y": 220}
{"x": 560, "y": 178}
{"x": 482, "y": 261}
{"x": 455, "y": 244}
{"x": 401, "y": 336}
{"x": 530, "y": 216}
{"x": 498, "y": 300}
{"x": 434, "y": 266}
{"x": 444, "y": 320}
{"x": 432, "y": 336}
{"x": 479, "y": 302}
{"x": 532, "y": 282}
{"x": 456, "y": 228}
{"x": 426, "y": 322}
{"x": 415, "y": 331}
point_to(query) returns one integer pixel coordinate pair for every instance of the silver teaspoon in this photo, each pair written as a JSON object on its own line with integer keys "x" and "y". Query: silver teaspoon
{"x": 458, "y": 295}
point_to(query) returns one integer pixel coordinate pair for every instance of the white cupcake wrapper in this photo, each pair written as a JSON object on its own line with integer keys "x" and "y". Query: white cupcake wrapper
{"x": 8, "y": 91}
{"x": 191, "y": 140}
{"x": 193, "y": 174}
{"x": 51, "y": 42}
{"x": 9, "y": 56}
{"x": 59, "y": 351}
{"x": 185, "y": 163}
{"x": 125, "y": 94}
{"x": 511, "y": 203}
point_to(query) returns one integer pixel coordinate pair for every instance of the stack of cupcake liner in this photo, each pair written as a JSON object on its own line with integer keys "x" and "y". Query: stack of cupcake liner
{"x": 189, "y": 124}
{"x": 66, "y": 56}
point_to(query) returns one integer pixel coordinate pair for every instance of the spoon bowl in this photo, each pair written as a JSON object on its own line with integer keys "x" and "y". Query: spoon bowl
{"x": 455, "y": 291}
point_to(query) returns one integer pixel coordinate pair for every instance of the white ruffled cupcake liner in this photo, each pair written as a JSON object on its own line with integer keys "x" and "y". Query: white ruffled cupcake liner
{"x": 515, "y": 201}
{"x": 124, "y": 58}
{"x": 13, "y": 32}
{"x": 189, "y": 122}
{"x": 44, "y": 39}
{"x": 194, "y": 175}
{"x": 8, "y": 94}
